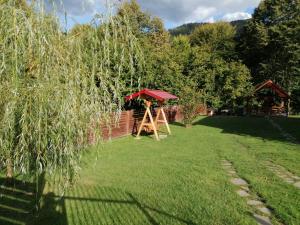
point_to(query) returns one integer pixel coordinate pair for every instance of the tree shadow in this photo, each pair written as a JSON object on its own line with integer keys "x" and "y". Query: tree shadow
{"x": 258, "y": 127}
{"x": 21, "y": 202}
{"x": 53, "y": 211}
{"x": 178, "y": 124}
{"x": 17, "y": 203}
{"x": 81, "y": 205}
{"x": 122, "y": 207}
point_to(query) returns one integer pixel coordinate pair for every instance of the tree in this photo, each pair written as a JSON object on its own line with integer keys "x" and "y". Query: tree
{"x": 190, "y": 98}
{"x": 270, "y": 43}
{"x": 223, "y": 79}
{"x": 55, "y": 87}
{"x": 161, "y": 71}
{"x": 218, "y": 36}
{"x": 182, "y": 53}
{"x": 222, "y": 83}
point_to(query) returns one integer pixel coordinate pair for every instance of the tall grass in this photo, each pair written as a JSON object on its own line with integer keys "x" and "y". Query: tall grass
{"x": 56, "y": 86}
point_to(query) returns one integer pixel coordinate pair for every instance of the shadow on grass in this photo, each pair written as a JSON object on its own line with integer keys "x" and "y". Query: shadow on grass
{"x": 82, "y": 205}
{"x": 178, "y": 124}
{"x": 20, "y": 203}
{"x": 111, "y": 206}
{"x": 258, "y": 127}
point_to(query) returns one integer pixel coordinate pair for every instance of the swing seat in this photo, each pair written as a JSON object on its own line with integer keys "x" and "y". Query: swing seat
{"x": 148, "y": 127}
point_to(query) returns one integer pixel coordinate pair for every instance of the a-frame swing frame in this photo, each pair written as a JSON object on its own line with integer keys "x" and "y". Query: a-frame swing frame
{"x": 154, "y": 123}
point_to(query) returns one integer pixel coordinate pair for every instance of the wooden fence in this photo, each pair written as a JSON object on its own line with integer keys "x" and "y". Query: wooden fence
{"x": 130, "y": 120}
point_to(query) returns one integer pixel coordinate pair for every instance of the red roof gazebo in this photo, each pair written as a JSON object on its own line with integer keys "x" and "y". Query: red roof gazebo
{"x": 158, "y": 95}
{"x": 148, "y": 96}
{"x": 269, "y": 84}
{"x": 269, "y": 105}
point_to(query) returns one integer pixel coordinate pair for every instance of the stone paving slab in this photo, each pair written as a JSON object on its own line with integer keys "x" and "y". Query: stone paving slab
{"x": 232, "y": 173}
{"x": 243, "y": 193}
{"x": 227, "y": 167}
{"x": 297, "y": 184}
{"x": 245, "y": 188}
{"x": 262, "y": 220}
{"x": 239, "y": 182}
{"x": 227, "y": 163}
{"x": 284, "y": 174}
{"x": 289, "y": 180}
{"x": 265, "y": 210}
{"x": 254, "y": 202}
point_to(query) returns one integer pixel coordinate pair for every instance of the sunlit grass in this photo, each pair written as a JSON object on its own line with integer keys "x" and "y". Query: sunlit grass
{"x": 179, "y": 180}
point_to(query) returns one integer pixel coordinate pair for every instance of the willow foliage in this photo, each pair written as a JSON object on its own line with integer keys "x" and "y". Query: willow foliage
{"x": 55, "y": 86}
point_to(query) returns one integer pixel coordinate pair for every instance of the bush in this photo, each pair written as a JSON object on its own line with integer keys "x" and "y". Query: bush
{"x": 190, "y": 99}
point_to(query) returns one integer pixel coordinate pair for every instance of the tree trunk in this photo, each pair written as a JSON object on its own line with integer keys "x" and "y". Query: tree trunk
{"x": 289, "y": 108}
{"x": 289, "y": 104}
{"x": 9, "y": 169}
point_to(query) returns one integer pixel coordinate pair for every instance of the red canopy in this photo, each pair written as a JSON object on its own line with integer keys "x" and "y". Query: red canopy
{"x": 156, "y": 94}
{"x": 271, "y": 85}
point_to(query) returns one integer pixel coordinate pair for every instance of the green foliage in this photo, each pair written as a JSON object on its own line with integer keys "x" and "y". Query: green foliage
{"x": 55, "y": 87}
{"x": 222, "y": 83}
{"x": 270, "y": 44}
{"x": 223, "y": 80}
{"x": 190, "y": 99}
{"x": 218, "y": 36}
{"x": 207, "y": 57}
{"x": 161, "y": 71}
{"x": 181, "y": 53}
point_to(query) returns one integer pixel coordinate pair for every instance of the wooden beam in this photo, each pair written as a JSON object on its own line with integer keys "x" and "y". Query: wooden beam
{"x": 142, "y": 124}
{"x": 165, "y": 120}
{"x": 153, "y": 124}
{"x": 146, "y": 124}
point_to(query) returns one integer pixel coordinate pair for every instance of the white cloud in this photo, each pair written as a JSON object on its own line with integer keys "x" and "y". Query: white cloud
{"x": 200, "y": 14}
{"x": 175, "y": 11}
{"x": 178, "y": 11}
{"x": 210, "y": 20}
{"x": 74, "y": 7}
{"x": 236, "y": 16}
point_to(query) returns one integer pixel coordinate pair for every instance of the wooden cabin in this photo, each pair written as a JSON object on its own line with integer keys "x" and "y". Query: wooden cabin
{"x": 268, "y": 99}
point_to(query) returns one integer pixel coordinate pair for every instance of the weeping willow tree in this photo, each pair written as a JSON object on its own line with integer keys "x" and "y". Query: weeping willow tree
{"x": 56, "y": 86}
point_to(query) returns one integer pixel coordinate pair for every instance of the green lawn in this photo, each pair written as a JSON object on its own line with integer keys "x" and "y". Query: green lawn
{"x": 292, "y": 125}
{"x": 178, "y": 180}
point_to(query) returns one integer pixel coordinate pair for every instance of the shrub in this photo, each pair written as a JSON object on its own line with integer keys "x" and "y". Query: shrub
{"x": 190, "y": 100}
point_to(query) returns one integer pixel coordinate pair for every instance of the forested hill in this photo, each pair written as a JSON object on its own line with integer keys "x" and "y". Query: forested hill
{"x": 188, "y": 28}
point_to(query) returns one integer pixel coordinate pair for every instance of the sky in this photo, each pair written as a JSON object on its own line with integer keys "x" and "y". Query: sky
{"x": 173, "y": 12}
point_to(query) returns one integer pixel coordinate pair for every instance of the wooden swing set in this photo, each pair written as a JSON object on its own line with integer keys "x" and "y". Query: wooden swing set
{"x": 149, "y": 122}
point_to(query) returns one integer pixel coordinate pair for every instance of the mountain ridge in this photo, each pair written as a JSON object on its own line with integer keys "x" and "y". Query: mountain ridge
{"x": 188, "y": 28}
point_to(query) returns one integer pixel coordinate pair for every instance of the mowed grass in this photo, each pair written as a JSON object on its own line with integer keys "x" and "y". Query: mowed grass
{"x": 178, "y": 180}
{"x": 290, "y": 125}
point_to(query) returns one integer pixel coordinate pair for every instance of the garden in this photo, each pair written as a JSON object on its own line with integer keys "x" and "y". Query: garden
{"x": 179, "y": 180}
{"x": 75, "y": 150}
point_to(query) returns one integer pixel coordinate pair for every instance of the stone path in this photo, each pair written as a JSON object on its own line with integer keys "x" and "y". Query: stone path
{"x": 261, "y": 213}
{"x": 284, "y": 174}
{"x": 285, "y": 134}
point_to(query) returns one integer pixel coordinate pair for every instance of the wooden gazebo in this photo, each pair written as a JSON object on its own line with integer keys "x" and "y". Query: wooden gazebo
{"x": 150, "y": 123}
{"x": 269, "y": 104}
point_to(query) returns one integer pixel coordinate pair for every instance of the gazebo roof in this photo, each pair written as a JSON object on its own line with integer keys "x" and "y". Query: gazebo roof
{"x": 155, "y": 94}
{"x": 269, "y": 84}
